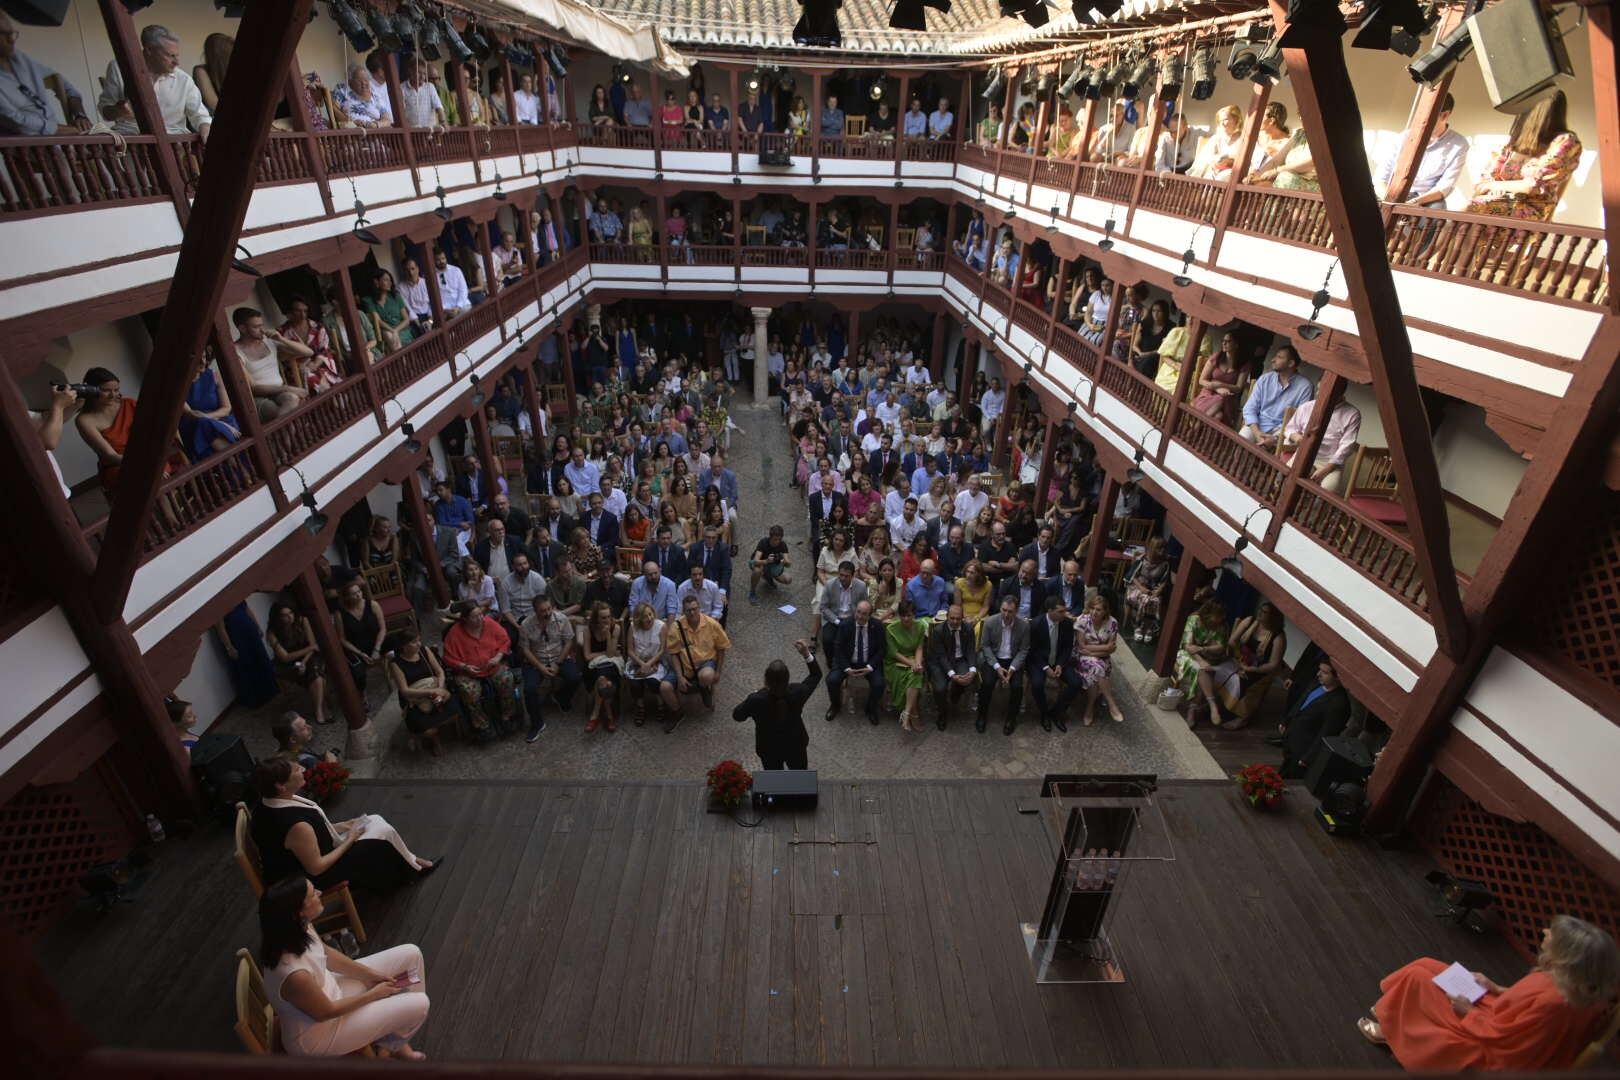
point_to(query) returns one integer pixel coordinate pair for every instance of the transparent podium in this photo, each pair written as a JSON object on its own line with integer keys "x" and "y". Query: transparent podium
{"x": 1101, "y": 830}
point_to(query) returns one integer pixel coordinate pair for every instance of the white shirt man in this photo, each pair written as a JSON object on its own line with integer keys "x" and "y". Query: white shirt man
{"x": 415, "y": 292}
{"x": 970, "y": 500}
{"x": 917, "y": 375}
{"x": 906, "y": 527}
{"x": 527, "y": 101}
{"x": 894, "y": 502}
{"x": 613, "y": 500}
{"x": 178, "y": 99}
{"x": 584, "y": 475}
{"x": 520, "y": 589}
{"x": 420, "y": 102}
{"x": 379, "y": 98}
{"x": 711, "y": 598}
{"x": 1439, "y": 168}
{"x": 991, "y": 402}
{"x": 453, "y": 290}
{"x": 888, "y": 412}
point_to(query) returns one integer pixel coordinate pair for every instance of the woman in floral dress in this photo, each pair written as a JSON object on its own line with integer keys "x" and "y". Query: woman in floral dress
{"x": 1096, "y": 636}
{"x": 1529, "y": 174}
{"x": 1203, "y": 648}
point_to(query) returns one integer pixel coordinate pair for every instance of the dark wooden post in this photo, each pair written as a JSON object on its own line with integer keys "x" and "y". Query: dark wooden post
{"x": 734, "y": 139}
{"x": 1328, "y": 396}
{"x": 486, "y": 447}
{"x": 426, "y": 543}
{"x": 199, "y": 286}
{"x": 531, "y": 394}
{"x": 306, "y": 590}
{"x": 816, "y": 106}
{"x": 1144, "y": 168}
{"x": 1101, "y": 525}
{"x": 899, "y": 121}
{"x": 936, "y": 349}
{"x": 1425, "y": 113}
{"x": 1044, "y": 479}
{"x": 126, "y": 47}
{"x": 894, "y": 253}
{"x": 1191, "y": 575}
{"x": 492, "y": 282}
{"x": 301, "y": 123}
{"x": 1240, "y": 165}
{"x": 1189, "y": 370}
{"x": 396, "y": 100}
{"x": 1328, "y": 108}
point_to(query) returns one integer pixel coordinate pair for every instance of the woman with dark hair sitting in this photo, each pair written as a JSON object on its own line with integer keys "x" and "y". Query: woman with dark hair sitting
{"x": 329, "y": 1005}
{"x": 295, "y": 837}
{"x": 1543, "y": 1021}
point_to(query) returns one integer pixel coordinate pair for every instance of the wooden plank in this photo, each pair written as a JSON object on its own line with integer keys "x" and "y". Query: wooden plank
{"x": 779, "y": 991}
{"x": 710, "y": 1011}
{"x": 681, "y": 995}
{"x": 809, "y": 1045}
{"x": 753, "y": 1014}
{"x": 876, "y": 996}
{"x": 660, "y": 879}
{"x": 638, "y": 895}
{"x": 832, "y": 984}
{"x": 966, "y": 1010}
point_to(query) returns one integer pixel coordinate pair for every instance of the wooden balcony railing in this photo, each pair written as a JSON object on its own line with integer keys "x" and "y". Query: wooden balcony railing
{"x": 1053, "y": 174}
{"x": 935, "y": 150}
{"x": 284, "y": 159}
{"x": 441, "y": 147}
{"x": 1569, "y": 262}
{"x": 922, "y": 260}
{"x": 359, "y": 150}
{"x": 296, "y": 434}
{"x": 1252, "y": 469}
{"x": 1297, "y": 216}
{"x": 1138, "y": 391}
{"x": 400, "y": 369}
{"x": 1111, "y": 184}
{"x": 199, "y": 493}
{"x": 959, "y": 269}
{"x": 855, "y": 258}
{"x": 702, "y": 255}
{"x": 1382, "y": 555}
{"x": 1184, "y": 196}
{"x": 975, "y": 156}
{"x": 623, "y": 253}
{"x": 1028, "y": 317}
{"x": 998, "y": 297}
{"x": 618, "y": 136}
{"x": 461, "y": 332}
{"x": 77, "y": 171}
{"x": 857, "y": 147}
{"x": 498, "y": 141}
{"x": 775, "y": 255}
{"x": 1076, "y": 351}
{"x": 694, "y": 139}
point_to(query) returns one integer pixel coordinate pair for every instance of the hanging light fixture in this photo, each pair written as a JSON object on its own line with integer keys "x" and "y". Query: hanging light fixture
{"x": 998, "y": 82}
{"x": 1134, "y": 474}
{"x": 1188, "y": 257}
{"x": 1107, "y": 243}
{"x": 478, "y": 393}
{"x": 1233, "y": 564}
{"x": 317, "y": 521}
{"x": 1320, "y": 299}
{"x": 1203, "y": 74}
{"x": 242, "y": 266}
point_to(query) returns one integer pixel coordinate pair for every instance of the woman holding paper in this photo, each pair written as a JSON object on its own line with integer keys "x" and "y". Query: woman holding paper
{"x": 1440, "y": 1018}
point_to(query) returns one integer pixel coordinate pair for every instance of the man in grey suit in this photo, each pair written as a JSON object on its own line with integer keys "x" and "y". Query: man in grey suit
{"x": 1003, "y": 650}
{"x": 838, "y": 599}
{"x": 952, "y": 662}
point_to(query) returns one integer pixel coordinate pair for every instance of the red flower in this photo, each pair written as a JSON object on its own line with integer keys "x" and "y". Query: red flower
{"x": 730, "y": 781}
{"x": 1261, "y": 784}
{"x": 326, "y": 779}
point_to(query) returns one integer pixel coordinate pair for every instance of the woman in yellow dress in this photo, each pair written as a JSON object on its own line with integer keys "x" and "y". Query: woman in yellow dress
{"x": 973, "y": 592}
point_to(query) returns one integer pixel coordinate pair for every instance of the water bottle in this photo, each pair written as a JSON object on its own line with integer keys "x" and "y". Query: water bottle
{"x": 154, "y": 828}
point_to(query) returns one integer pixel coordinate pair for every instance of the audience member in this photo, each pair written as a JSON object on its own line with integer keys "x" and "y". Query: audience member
{"x": 178, "y": 99}
{"x": 26, "y": 86}
{"x": 261, "y": 353}
{"x": 475, "y": 654}
{"x": 1280, "y": 389}
{"x": 1003, "y": 652}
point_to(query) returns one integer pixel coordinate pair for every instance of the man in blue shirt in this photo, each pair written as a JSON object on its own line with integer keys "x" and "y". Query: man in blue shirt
{"x": 716, "y": 117}
{"x": 652, "y": 587}
{"x": 940, "y": 120}
{"x": 721, "y": 477}
{"x": 928, "y": 591}
{"x": 584, "y": 475}
{"x": 25, "y": 93}
{"x": 452, "y": 511}
{"x": 915, "y": 124}
{"x": 1275, "y": 393}
{"x": 604, "y": 224}
{"x": 832, "y": 117}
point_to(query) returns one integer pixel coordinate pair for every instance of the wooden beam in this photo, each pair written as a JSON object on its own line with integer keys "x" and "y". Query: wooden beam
{"x": 1328, "y": 396}
{"x": 245, "y": 409}
{"x": 126, "y": 47}
{"x": 1567, "y": 471}
{"x": 1420, "y": 127}
{"x": 1605, "y": 73}
{"x": 1178, "y": 607}
{"x": 1330, "y": 113}
{"x": 1043, "y": 479}
{"x": 1100, "y": 525}
{"x": 299, "y": 108}
{"x": 422, "y": 525}
{"x": 199, "y": 283}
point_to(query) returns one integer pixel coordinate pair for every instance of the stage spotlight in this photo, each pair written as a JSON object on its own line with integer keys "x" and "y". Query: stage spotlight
{"x": 1243, "y": 59}
{"x": 1137, "y": 77}
{"x": 1043, "y": 85}
{"x": 818, "y": 24}
{"x": 1113, "y": 77}
{"x": 557, "y": 60}
{"x": 353, "y": 27}
{"x": 1461, "y": 899}
{"x": 908, "y": 14}
{"x": 412, "y": 443}
{"x": 998, "y": 83}
{"x": 875, "y": 91}
{"x": 384, "y": 29}
{"x": 242, "y": 266}
{"x": 478, "y": 42}
{"x": 430, "y": 40}
{"x": 1099, "y": 10}
{"x": 231, "y": 9}
{"x": 1026, "y": 82}
{"x": 1203, "y": 74}
{"x": 1077, "y": 78}
{"x": 407, "y": 20}
{"x": 1398, "y": 25}
{"x": 1107, "y": 243}
{"x": 1268, "y": 67}
{"x": 1447, "y": 53}
{"x": 1175, "y": 72}
{"x": 452, "y": 42}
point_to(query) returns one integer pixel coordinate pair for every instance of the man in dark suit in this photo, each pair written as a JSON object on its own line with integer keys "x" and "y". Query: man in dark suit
{"x": 603, "y": 527}
{"x": 472, "y": 484}
{"x": 714, "y": 557}
{"x": 780, "y": 738}
{"x": 497, "y": 539}
{"x": 952, "y": 662}
{"x": 545, "y": 553}
{"x": 1026, "y": 591}
{"x": 670, "y": 556}
{"x": 1070, "y": 588}
{"x": 1051, "y": 642}
{"x": 1048, "y": 563}
{"x": 858, "y": 649}
{"x": 607, "y": 588}
{"x": 883, "y": 463}
{"x": 1003, "y": 652}
{"x": 1321, "y": 712}
{"x": 821, "y": 507}
{"x": 558, "y": 524}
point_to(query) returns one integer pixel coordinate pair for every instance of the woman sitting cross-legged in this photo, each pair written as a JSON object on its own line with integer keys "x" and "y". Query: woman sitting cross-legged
{"x": 329, "y": 1005}
{"x": 295, "y": 837}
{"x": 1543, "y": 1021}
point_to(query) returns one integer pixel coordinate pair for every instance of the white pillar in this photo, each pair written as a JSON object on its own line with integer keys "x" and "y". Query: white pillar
{"x": 762, "y": 376}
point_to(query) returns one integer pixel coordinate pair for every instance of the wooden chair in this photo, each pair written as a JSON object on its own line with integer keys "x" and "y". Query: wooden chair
{"x": 255, "y": 1017}
{"x": 1595, "y": 1049}
{"x": 386, "y": 583}
{"x": 1371, "y": 487}
{"x": 627, "y": 560}
{"x": 755, "y": 236}
{"x": 1135, "y": 531}
{"x": 905, "y": 238}
{"x": 854, "y": 126}
{"x": 508, "y": 448}
{"x": 557, "y": 402}
{"x": 876, "y": 232}
{"x": 252, "y": 867}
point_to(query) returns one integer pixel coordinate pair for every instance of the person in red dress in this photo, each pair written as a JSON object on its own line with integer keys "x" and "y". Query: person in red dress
{"x": 1543, "y": 1021}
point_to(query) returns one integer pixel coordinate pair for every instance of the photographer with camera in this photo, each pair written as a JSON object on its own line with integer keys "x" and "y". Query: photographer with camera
{"x": 768, "y": 563}
{"x": 48, "y": 423}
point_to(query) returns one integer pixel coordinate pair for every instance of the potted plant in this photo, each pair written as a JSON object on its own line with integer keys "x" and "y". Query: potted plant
{"x": 729, "y": 783}
{"x": 325, "y": 780}
{"x": 1262, "y": 785}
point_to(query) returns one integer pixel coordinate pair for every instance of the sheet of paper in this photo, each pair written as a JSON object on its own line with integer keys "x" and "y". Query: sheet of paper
{"x": 787, "y": 609}
{"x": 1458, "y": 981}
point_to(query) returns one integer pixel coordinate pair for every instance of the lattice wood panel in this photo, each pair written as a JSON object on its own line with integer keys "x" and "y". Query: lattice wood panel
{"x": 1578, "y": 619}
{"x": 1533, "y": 877}
{"x": 49, "y": 837}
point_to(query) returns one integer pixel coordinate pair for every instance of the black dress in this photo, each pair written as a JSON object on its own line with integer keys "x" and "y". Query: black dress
{"x": 418, "y": 722}
{"x": 368, "y": 864}
{"x": 362, "y": 633}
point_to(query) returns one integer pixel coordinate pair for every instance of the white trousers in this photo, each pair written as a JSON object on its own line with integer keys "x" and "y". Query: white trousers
{"x": 376, "y": 827}
{"x": 390, "y": 1022}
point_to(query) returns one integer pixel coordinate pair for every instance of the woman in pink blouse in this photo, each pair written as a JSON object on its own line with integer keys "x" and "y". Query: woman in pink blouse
{"x": 1529, "y": 174}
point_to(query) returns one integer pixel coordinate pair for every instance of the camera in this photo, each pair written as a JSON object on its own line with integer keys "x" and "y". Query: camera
{"x": 86, "y": 391}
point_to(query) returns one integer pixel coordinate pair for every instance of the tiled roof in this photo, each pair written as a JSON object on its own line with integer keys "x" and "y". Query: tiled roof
{"x": 768, "y": 24}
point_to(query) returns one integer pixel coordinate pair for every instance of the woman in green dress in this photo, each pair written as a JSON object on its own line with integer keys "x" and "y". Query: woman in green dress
{"x": 904, "y": 669}
{"x": 1203, "y": 647}
{"x": 389, "y": 307}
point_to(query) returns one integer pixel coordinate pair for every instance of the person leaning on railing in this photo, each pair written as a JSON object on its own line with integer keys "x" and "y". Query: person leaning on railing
{"x": 1529, "y": 174}
{"x": 179, "y": 101}
{"x": 25, "y": 88}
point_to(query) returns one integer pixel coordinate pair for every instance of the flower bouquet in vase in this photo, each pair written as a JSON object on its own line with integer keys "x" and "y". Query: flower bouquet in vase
{"x": 729, "y": 782}
{"x": 1262, "y": 785}
{"x": 325, "y": 781}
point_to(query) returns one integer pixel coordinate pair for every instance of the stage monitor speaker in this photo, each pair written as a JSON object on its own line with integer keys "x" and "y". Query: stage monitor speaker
{"x": 1520, "y": 52}
{"x": 36, "y": 12}
{"x": 1337, "y": 760}
{"x": 775, "y": 157}
{"x": 785, "y": 789}
{"x": 224, "y": 770}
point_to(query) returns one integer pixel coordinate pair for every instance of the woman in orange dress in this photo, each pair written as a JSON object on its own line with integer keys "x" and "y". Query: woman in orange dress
{"x": 1543, "y": 1021}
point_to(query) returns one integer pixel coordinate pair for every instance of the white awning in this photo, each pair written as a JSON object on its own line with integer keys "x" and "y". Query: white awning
{"x": 580, "y": 22}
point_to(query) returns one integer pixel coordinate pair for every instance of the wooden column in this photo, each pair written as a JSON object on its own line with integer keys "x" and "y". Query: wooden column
{"x": 1328, "y": 108}
{"x": 396, "y": 99}
{"x": 1605, "y": 49}
{"x": 812, "y": 241}
{"x": 485, "y": 446}
{"x": 1191, "y": 575}
{"x": 301, "y": 123}
{"x": 936, "y": 350}
{"x": 1044, "y": 479}
{"x": 531, "y": 394}
{"x": 492, "y": 282}
{"x": 1088, "y": 129}
{"x": 126, "y": 48}
{"x": 198, "y": 287}
{"x": 1258, "y": 98}
{"x": 1145, "y": 168}
{"x": 458, "y": 83}
{"x": 245, "y": 409}
{"x": 899, "y": 121}
{"x": 349, "y": 309}
{"x": 1000, "y": 435}
{"x": 1101, "y": 524}
{"x": 893, "y": 244}
{"x": 1111, "y": 324}
{"x": 734, "y": 139}
{"x": 1008, "y": 98}
{"x": 657, "y": 128}
{"x": 1189, "y": 369}
{"x": 1420, "y": 126}
{"x": 61, "y": 564}
{"x": 311, "y": 600}
{"x": 661, "y": 208}
{"x": 1328, "y": 396}
{"x": 816, "y": 105}
{"x": 969, "y": 369}
{"x": 1043, "y": 112}
{"x": 422, "y": 524}
{"x": 568, "y": 371}
{"x": 509, "y": 89}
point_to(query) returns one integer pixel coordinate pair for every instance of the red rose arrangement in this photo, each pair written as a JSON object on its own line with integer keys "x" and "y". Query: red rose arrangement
{"x": 730, "y": 782}
{"x": 1262, "y": 785}
{"x": 326, "y": 779}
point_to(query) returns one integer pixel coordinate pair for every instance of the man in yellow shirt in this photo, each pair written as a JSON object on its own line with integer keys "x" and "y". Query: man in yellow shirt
{"x": 697, "y": 644}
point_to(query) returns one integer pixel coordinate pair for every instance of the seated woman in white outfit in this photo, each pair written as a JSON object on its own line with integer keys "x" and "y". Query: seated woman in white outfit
{"x": 330, "y": 1005}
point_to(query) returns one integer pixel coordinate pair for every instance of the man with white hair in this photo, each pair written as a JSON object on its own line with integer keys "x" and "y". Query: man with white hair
{"x": 25, "y": 89}
{"x": 177, "y": 95}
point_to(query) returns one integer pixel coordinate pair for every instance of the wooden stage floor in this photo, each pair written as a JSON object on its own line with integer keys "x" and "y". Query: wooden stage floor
{"x": 620, "y": 922}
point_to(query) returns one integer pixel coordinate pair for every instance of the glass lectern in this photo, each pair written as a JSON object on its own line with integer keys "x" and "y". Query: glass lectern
{"x": 1099, "y": 829}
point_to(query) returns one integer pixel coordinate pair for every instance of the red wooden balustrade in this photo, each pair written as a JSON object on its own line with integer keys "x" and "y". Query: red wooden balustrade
{"x": 920, "y": 260}
{"x": 702, "y": 255}
{"x": 623, "y": 253}
{"x": 499, "y": 141}
{"x": 466, "y": 329}
{"x": 1382, "y": 555}
{"x": 1142, "y": 394}
{"x": 400, "y": 369}
{"x": 1184, "y": 196}
{"x": 975, "y": 156}
{"x": 855, "y": 147}
{"x": 618, "y": 137}
{"x": 359, "y": 150}
{"x": 775, "y": 256}
{"x": 855, "y": 258}
{"x": 1297, "y": 216}
{"x": 998, "y": 297}
{"x": 200, "y": 492}
{"x": 1234, "y": 457}
{"x": 693, "y": 139}
{"x": 442, "y": 147}
{"x": 1111, "y": 184}
{"x": 959, "y": 269}
{"x": 935, "y": 150}
{"x": 327, "y": 415}
{"x": 1054, "y": 174}
{"x": 1076, "y": 351}
{"x": 284, "y": 159}
{"x": 62, "y": 172}
{"x": 1569, "y": 262}
{"x": 1028, "y": 317}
